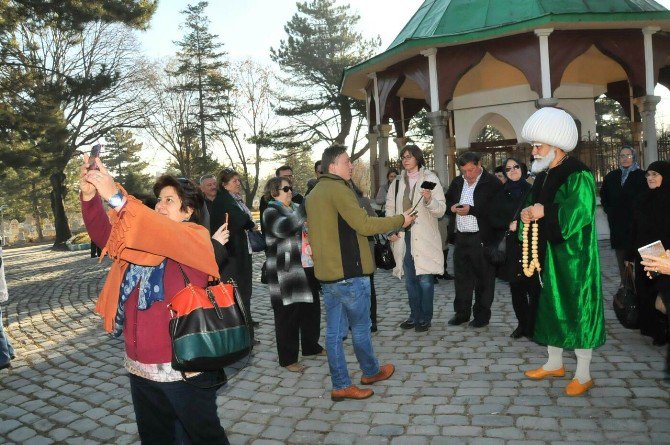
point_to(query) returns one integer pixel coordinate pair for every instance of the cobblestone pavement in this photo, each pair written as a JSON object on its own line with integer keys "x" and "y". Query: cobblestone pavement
{"x": 452, "y": 384}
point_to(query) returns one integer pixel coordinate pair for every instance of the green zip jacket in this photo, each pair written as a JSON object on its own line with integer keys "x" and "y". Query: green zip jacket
{"x": 338, "y": 229}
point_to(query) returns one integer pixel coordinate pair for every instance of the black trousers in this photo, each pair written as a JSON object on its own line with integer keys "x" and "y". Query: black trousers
{"x": 298, "y": 325}
{"x": 525, "y": 296}
{"x": 177, "y": 412}
{"x": 472, "y": 273}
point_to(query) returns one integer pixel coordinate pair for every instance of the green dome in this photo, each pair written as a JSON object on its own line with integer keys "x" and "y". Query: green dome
{"x": 453, "y": 18}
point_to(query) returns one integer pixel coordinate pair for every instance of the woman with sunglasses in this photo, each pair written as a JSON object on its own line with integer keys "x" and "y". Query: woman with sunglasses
{"x": 503, "y": 216}
{"x": 294, "y": 290}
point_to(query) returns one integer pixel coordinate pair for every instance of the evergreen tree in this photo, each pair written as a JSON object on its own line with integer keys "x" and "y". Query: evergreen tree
{"x": 322, "y": 41}
{"x": 200, "y": 63}
{"x": 612, "y": 124}
{"x": 122, "y": 159}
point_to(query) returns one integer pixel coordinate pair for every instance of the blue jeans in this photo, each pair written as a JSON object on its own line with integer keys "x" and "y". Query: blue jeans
{"x": 420, "y": 288}
{"x": 347, "y": 304}
{"x": 6, "y": 350}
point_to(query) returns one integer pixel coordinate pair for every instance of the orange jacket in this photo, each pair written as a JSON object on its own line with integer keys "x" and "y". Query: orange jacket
{"x": 141, "y": 236}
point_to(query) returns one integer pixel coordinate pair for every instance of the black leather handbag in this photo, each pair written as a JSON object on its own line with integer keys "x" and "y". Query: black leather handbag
{"x": 383, "y": 253}
{"x": 497, "y": 253}
{"x": 625, "y": 301}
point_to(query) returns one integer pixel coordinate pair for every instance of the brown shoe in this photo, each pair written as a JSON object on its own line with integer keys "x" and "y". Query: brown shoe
{"x": 385, "y": 371}
{"x": 352, "y": 392}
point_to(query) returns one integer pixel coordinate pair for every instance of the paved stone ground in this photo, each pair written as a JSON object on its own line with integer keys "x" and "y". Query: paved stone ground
{"x": 452, "y": 384}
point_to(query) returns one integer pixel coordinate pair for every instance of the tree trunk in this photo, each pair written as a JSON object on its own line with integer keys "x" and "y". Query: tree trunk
{"x": 57, "y": 195}
{"x": 36, "y": 211}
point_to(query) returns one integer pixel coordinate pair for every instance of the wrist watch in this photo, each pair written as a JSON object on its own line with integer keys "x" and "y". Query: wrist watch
{"x": 115, "y": 200}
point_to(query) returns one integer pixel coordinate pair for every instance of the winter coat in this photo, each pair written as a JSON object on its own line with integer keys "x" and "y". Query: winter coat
{"x": 425, "y": 233}
{"x": 618, "y": 202}
{"x": 503, "y": 207}
{"x": 283, "y": 234}
{"x": 238, "y": 267}
{"x": 338, "y": 230}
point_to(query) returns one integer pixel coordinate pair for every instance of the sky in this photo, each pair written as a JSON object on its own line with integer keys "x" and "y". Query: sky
{"x": 250, "y": 28}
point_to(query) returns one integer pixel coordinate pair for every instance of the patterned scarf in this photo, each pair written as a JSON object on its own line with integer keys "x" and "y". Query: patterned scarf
{"x": 150, "y": 279}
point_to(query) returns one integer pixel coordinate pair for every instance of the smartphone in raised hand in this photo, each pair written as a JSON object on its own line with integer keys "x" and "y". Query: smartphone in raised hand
{"x": 95, "y": 153}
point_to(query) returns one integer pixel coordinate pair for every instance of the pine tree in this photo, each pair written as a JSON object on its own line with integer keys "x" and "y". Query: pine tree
{"x": 322, "y": 41}
{"x": 122, "y": 159}
{"x": 201, "y": 63}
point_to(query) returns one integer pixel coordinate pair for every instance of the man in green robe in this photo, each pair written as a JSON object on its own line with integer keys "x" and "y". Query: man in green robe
{"x": 563, "y": 203}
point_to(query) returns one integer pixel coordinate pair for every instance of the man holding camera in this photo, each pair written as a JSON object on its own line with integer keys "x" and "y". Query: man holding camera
{"x": 468, "y": 197}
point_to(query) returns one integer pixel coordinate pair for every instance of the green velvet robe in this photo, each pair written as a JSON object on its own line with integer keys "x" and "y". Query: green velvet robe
{"x": 570, "y": 311}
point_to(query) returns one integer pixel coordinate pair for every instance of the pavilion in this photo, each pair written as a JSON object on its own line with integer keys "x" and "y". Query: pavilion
{"x": 472, "y": 63}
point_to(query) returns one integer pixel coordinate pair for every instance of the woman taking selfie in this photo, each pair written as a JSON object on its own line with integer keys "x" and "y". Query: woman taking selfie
{"x": 149, "y": 249}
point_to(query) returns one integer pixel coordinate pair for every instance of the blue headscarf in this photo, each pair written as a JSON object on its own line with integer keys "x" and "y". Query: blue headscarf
{"x": 625, "y": 171}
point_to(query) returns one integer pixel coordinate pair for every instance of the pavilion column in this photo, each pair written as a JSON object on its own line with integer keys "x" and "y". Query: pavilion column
{"x": 374, "y": 179}
{"x": 647, "y": 104}
{"x": 437, "y": 119}
{"x": 400, "y": 143}
{"x": 545, "y": 68}
{"x": 383, "y": 131}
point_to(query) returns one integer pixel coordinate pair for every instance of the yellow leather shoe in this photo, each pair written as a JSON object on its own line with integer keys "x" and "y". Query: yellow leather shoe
{"x": 540, "y": 373}
{"x": 575, "y": 388}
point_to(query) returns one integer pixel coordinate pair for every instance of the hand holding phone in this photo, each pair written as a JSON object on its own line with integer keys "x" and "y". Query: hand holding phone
{"x": 95, "y": 153}
{"x": 428, "y": 185}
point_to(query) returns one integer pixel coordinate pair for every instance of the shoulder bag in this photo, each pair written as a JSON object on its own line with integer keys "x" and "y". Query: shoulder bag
{"x": 210, "y": 328}
{"x": 625, "y": 301}
{"x": 383, "y": 253}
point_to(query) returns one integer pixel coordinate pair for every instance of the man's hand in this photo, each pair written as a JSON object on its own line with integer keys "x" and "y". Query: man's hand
{"x": 427, "y": 195}
{"x": 393, "y": 238}
{"x": 527, "y": 215}
{"x": 409, "y": 219}
{"x": 538, "y": 211}
{"x": 460, "y": 209}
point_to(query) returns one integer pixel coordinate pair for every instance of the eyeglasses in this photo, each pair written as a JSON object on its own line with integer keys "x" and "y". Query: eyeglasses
{"x": 622, "y": 156}
{"x": 514, "y": 167}
{"x": 287, "y": 188}
{"x": 536, "y": 145}
{"x": 407, "y": 157}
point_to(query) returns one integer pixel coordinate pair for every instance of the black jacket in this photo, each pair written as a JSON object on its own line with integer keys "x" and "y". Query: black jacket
{"x": 618, "y": 202}
{"x": 503, "y": 209}
{"x": 487, "y": 187}
{"x": 238, "y": 267}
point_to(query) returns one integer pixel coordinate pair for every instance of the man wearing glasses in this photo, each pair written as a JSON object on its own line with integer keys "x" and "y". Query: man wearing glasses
{"x": 564, "y": 248}
{"x": 621, "y": 188}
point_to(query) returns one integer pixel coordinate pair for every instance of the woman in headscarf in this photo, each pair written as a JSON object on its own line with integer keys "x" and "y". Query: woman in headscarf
{"x": 503, "y": 216}
{"x": 651, "y": 222}
{"x": 620, "y": 190}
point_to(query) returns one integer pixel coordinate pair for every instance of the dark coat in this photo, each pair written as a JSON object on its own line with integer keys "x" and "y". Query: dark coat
{"x": 503, "y": 208}
{"x": 486, "y": 189}
{"x": 286, "y": 276}
{"x": 238, "y": 266}
{"x": 618, "y": 202}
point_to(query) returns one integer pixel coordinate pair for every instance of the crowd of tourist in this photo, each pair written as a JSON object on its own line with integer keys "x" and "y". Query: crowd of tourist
{"x": 532, "y": 228}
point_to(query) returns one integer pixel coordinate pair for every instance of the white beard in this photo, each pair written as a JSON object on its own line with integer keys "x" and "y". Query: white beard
{"x": 541, "y": 164}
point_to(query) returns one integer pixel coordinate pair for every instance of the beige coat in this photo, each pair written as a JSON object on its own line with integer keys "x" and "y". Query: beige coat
{"x": 426, "y": 242}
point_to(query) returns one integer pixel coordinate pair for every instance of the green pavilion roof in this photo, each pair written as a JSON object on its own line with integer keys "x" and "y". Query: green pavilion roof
{"x": 461, "y": 18}
{"x": 439, "y": 23}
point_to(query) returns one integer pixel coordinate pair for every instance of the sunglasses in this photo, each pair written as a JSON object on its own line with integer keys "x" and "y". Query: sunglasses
{"x": 514, "y": 167}
{"x": 287, "y": 188}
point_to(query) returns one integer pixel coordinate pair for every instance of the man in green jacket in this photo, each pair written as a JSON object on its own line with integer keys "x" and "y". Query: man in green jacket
{"x": 338, "y": 230}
